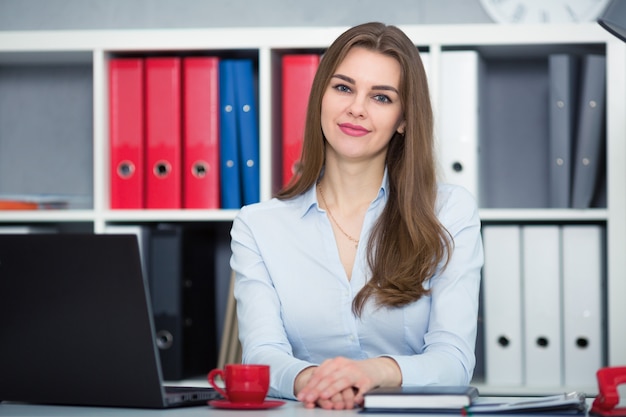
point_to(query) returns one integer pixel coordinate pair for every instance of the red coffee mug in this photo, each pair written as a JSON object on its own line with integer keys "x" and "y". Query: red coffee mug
{"x": 242, "y": 383}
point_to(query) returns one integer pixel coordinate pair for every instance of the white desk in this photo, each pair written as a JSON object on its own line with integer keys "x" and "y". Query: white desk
{"x": 290, "y": 409}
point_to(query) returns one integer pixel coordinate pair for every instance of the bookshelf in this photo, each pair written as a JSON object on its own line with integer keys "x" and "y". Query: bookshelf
{"x": 40, "y": 58}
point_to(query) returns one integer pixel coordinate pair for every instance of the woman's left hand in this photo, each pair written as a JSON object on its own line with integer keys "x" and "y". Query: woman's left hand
{"x": 340, "y": 383}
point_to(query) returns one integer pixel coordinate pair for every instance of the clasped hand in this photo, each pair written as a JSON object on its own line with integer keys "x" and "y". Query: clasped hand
{"x": 340, "y": 383}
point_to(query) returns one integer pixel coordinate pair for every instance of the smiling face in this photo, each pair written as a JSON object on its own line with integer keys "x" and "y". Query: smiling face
{"x": 361, "y": 107}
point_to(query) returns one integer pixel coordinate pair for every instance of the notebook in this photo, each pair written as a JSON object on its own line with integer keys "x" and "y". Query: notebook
{"x": 76, "y": 325}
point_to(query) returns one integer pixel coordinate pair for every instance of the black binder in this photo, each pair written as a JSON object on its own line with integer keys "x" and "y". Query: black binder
{"x": 182, "y": 289}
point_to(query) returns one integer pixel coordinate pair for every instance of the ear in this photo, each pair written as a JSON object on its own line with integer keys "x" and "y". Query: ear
{"x": 401, "y": 128}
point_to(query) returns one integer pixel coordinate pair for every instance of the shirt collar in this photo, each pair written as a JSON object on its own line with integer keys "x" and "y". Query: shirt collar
{"x": 309, "y": 197}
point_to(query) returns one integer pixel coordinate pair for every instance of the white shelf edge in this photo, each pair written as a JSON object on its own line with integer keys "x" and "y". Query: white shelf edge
{"x": 550, "y": 215}
{"x": 299, "y": 37}
{"x": 186, "y": 215}
{"x": 136, "y": 216}
{"x": 42, "y": 216}
{"x": 616, "y": 176}
{"x": 210, "y": 215}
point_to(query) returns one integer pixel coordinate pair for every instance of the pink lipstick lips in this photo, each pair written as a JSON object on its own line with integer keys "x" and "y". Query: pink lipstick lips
{"x": 353, "y": 130}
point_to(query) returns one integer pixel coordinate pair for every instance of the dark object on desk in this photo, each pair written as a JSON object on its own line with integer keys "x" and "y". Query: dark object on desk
{"x": 420, "y": 398}
{"x": 608, "y": 396}
{"x": 77, "y": 327}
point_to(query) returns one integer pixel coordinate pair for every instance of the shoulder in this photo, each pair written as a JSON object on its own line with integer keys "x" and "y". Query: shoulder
{"x": 262, "y": 208}
{"x": 273, "y": 209}
{"x": 270, "y": 220}
{"x": 455, "y": 203}
{"x": 451, "y": 193}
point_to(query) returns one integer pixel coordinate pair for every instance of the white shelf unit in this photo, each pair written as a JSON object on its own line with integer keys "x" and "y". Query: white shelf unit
{"x": 95, "y": 47}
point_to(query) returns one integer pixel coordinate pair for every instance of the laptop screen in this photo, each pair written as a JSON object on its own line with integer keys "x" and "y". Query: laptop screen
{"x": 76, "y": 322}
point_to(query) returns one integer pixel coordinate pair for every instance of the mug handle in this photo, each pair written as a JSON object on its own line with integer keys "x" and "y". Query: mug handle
{"x": 211, "y": 377}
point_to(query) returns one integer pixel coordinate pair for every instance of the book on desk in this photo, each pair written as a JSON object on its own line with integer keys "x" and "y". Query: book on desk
{"x": 466, "y": 400}
{"x": 413, "y": 398}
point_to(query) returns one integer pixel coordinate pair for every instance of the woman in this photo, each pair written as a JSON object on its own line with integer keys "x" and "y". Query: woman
{"x": 364, "y": 271}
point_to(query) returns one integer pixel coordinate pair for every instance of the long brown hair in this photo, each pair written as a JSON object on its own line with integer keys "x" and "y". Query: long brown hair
{"x": 407, "y": 242}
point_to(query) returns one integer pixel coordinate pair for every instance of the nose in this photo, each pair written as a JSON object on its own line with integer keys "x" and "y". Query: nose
{"x": 357, "y": 107}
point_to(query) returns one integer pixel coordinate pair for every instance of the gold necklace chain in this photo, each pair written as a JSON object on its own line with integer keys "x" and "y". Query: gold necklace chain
{"x": 330, "y": 213}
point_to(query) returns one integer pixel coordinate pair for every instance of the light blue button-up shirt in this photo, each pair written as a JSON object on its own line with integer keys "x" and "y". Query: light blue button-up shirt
{"x": 294, "y": 301}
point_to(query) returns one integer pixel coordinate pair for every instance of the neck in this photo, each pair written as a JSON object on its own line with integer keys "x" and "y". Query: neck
{"x": 349, "y": 187}
{"x": 345, "y": 197}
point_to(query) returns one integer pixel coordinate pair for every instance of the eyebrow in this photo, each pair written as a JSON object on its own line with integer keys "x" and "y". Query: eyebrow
{"x": 374, "y": 87}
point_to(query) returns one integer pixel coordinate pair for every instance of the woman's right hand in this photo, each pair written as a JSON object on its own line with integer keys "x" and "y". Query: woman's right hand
{"x": 338, "y": 401}
{"x": 302, "y": 379}
{"x": 340, "y": 383}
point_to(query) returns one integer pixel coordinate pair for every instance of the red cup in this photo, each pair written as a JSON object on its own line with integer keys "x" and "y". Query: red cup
{"x": 242, "y": 383}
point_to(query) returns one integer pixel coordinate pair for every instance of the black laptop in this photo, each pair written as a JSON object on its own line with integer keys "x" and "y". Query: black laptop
{"x": 76, "y": 325}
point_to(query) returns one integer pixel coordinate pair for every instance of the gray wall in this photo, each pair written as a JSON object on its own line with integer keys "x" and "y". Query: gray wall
{"x": 141, "y": 14}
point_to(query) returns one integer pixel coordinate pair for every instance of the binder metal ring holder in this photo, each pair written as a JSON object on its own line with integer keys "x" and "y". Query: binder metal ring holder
{"x": 608, "y": 397}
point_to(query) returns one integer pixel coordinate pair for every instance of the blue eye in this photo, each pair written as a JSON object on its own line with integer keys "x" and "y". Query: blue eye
{"x": 382, "y": 98}
{"x": 342, "y": 88}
